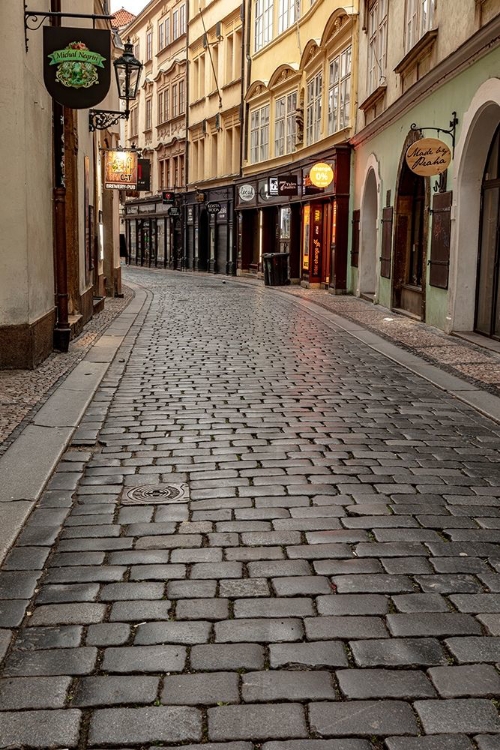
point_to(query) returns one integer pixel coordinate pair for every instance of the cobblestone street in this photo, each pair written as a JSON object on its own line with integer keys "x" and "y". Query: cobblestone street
{"x": 310, "y": 559}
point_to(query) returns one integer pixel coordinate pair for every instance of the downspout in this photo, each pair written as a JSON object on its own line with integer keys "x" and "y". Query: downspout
{"x": 62, "y": 329}
{"x": 186, "y": 151}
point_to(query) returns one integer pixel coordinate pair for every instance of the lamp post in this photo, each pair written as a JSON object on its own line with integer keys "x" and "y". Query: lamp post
{"x": 128, "y": 72}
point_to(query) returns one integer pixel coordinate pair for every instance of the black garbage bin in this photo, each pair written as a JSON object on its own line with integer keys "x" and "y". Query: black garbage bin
{"x": 276, "y": 269}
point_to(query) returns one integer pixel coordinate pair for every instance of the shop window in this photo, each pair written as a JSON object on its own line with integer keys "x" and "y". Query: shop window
{"x": 377, "y": 43}
{"x": 285, "y": 125}
{"x": 287, "y": 14}
{"x": 149, "y": 44}
{"x": 263, "y": 23}
{"x": 418, "y": 21}
{"x": 339, "y": 91}
{"x": 259, "y": 134}
{"x": 313, "y": 119}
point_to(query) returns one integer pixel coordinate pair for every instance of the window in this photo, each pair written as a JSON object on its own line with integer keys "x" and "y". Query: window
{"x": 137, "y": 51}
{"x": 182, "y": 19}
{"x": 182, "y": 101}
{"x": 263, "y": 23}
{"x": 149, "y": 109}
{"x": 166, "y": 105}
{"x": 160, "y": 106}
{"x": 134, "y": 121}
{"x": 161, "y": 36}
{"x": 419, "y": 20}
{"x": 259, "y": 134}
{"x": 175, "y": 101}
{"x": 377, "y": 43}
{"x": 182, "y": 178}
{"x": 339, "y": 91}
{"x": 167, "y": 31}
{"x": 284, "y": 124}
{"x": 175, "y": 25}
{"x": 287, "y": 14}
{"x": 149, "y": 44}
{"x": 313, "y": 117}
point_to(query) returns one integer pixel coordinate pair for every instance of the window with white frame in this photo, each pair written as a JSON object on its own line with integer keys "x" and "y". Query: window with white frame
{"x": 259, "y": 134}
{"x": 339, "y": 91}
{"x": 377, "y": 43}
{"x": 175, "y": 100}
{"x": 160, "y": 106}
{"x": 167, "y": 31}
{"x": 419, "y": 19}
{"x": 182, "y": 98}
{"x": 263, "y": 23}
{"x": 166, "y": 105}
{"x": 149, "y": 44}
{"x": 285, "y": 124}
{"x": 149, "y": 110}
{"x": 175, "y": 24}
{"x": 161, "y": 36}
{"x": 182, "y": 19}
{"x": 287, "y": 14}
{"x": 313, "y": 116}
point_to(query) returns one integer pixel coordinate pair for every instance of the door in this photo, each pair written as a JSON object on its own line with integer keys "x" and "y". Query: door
{"x": 488, "y": 277}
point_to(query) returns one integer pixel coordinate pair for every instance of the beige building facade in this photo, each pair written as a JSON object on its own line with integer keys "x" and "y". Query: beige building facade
{"x": 300, "y": 79}
{"x": 157, "y": 127}
{"x": 428, "y": 246}
{"x": 42, "y": 272}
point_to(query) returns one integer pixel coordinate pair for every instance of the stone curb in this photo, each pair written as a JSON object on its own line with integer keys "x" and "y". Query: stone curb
{"x": 28, "y": 463}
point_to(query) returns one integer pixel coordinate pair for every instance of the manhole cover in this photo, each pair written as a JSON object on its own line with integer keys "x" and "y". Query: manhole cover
{"x": 156, "y": 494}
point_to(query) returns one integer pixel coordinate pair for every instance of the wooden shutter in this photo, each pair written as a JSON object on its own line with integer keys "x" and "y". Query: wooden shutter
{"x": 440, "y": 240}
{"x": 385, "y": 258}
{"x": 355, "y": 239}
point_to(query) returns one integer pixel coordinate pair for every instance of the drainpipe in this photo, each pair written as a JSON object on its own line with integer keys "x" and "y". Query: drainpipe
{"x": 62, "y": 329}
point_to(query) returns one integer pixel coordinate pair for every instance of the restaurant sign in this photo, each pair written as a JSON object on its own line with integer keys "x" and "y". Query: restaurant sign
{"x": 428, "y": 156}
{"x": 120, "y": 170}
{"x": 77, "y": 65}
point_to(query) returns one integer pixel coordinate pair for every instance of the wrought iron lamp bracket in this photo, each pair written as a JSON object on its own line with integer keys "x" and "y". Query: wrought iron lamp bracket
{"x": 451, "y": 131}
{"x": 33, "y": 19}
{"x": 102, "y": 119}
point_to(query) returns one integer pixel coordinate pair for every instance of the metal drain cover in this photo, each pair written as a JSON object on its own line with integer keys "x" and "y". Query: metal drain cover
{"x": 156, "y": 494}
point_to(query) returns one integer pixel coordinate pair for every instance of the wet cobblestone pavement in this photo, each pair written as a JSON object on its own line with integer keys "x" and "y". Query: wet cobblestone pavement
{"x": 322, "y": 571}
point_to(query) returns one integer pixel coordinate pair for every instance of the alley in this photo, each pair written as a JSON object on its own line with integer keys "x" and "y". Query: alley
{"x": 281, "y": 539}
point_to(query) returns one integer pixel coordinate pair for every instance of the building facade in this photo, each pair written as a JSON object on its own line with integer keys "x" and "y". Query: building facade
{"x": 214, "y": 132}
{"x": 429, "y": 246}
{"x": 58, "y": 238}
{"x": 299, "y": 112}
{"x": 157, "y": 127}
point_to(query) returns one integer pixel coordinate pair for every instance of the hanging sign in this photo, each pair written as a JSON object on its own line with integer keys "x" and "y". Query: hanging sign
{"x": 120, "y": 170}
{"x": 213, "y": 208}
{"x": 76, "y": 65}
{"x": 428, "y": 157}
{"x": 321, "y": 175}
{"x": 273, "y": 187}
{"x": 144, "y": 174}
{"x": 288, "y": 185}
{"x": 246, "y": 192}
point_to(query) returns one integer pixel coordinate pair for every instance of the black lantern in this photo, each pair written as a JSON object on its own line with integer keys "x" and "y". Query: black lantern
{"x": 128, "y": 73}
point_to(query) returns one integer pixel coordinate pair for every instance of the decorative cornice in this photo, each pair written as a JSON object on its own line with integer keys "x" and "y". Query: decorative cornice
{"x": 476, "y": 47}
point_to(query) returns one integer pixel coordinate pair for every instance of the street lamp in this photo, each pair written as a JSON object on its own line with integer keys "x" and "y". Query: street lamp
{"x": 128, "y": 73}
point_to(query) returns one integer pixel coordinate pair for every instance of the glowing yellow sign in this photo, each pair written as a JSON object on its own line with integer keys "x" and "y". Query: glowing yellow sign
{"x": 120, "y": 170}
{"x": 321, "y": 175}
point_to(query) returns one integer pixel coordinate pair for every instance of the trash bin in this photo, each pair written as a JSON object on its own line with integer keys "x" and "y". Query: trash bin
{"x": 276, "y": 269}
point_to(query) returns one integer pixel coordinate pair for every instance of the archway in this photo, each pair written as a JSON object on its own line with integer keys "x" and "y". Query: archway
{"x": 478, "y": 129}
{"x": 368, "y": 240}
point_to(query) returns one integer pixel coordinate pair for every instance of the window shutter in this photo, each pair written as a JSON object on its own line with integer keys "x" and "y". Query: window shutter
{"x": 440, "y": 240}
{"x": 355, "y": 238}
{"x": 385, "y": 258}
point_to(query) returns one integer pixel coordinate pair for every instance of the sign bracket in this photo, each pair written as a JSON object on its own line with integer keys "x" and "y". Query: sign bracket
{"x": 33, "y": 19}
{"x": 451, "y": 131}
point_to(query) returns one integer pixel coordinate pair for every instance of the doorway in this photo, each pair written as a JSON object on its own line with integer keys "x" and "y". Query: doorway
{"x": 203, "y": 238}
{"x": 410, "y": 243}
{"x": 487, "y": 317}
{"x": 368, "y": 259}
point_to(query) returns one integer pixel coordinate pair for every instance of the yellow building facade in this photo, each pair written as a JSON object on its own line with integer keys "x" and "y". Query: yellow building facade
{"x": 300, "y": 79}
{"x": 214, "y": 132}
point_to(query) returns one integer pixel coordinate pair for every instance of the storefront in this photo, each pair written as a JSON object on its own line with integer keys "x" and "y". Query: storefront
{"x": 209, "y": 230}
{"x": 153, "y": 233}
{"x": 306, "y": 220}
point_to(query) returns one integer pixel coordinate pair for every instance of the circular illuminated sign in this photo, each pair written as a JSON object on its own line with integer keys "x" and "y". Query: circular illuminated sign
{"x": 428, "y": 156}
{"x": 321, "y": 175}
{"x": 246, "y": 192}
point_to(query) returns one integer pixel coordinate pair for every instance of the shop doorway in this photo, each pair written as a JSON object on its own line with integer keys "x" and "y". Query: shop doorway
{"x": 368, "y": 255}
{"x": 249, "y": 241}
{"x": 487, "y": 317}
{"x": 203, "y": 238}
{"x": 410, "y": 242}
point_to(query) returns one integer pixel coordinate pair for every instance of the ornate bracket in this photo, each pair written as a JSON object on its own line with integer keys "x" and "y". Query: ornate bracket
{"x": 450, "y": 132}
{"x": 102, "y": 119}
{"x": 33, "y": 19}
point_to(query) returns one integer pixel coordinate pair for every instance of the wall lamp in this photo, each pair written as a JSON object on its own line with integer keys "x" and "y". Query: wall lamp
{"x": 128, "y": 72}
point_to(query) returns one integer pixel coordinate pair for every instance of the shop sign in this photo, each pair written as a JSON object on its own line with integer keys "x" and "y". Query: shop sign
{"x": 222, "y": 215}
{"x": 213, "y": 208}
{"x": 428, "y": 157}
{"x": 174, "y": 211}
{"x": 132, "y": 209}
{"x": 167, "y": 198}
{"x": 190, "y": 214}
{"x": 144, "y": 175}
{"x": 120, "y": 170}
{"x": 288, "y": 185}
{"x": 246, "y": 192}
{"x": 76, "y": 65}
{"x": 273, "y": 187}
{"x": 146, "y": 208}
{"x": 321, "y": 175}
